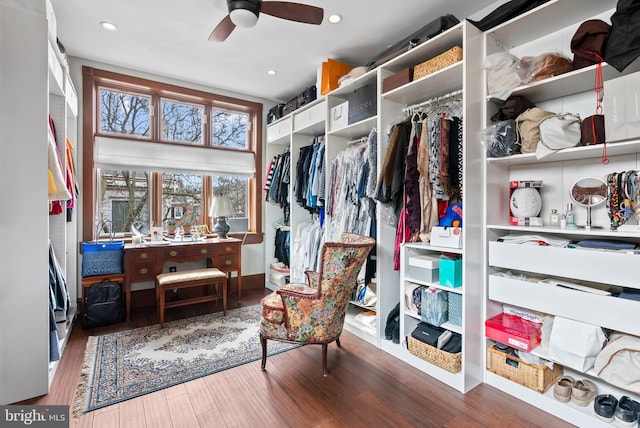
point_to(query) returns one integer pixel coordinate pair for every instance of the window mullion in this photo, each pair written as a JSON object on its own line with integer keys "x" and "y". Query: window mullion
{"x": 156, "y": 113}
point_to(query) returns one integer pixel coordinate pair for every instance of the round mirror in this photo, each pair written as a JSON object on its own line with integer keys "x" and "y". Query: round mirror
{"x": 589, "y": 192}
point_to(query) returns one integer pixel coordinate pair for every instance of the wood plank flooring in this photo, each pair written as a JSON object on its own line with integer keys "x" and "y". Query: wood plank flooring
{"x": 366, "y": 387}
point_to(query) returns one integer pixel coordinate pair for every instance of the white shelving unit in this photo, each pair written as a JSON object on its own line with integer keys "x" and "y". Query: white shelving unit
{"x": 37, "y": 85}
{"x": 284, "y": 134}
{"x": 553, "y": 24}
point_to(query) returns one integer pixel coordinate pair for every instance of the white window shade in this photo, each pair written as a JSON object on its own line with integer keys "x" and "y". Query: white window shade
{"x": 118, "y": 153}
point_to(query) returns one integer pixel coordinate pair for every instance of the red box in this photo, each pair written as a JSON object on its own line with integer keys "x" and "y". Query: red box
{"x": 513, "y": 331}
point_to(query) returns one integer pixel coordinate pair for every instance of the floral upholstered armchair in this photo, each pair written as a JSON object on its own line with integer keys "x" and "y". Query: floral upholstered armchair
{"x": 314, "y": 313}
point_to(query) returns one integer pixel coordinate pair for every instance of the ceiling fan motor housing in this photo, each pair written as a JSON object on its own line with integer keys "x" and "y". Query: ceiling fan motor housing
{"x": 252, "y": 6}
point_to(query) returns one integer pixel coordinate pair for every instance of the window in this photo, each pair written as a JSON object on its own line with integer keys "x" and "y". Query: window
{"x": 124, "y": 113}
{"x": 124, "y": 198}
{"x": 182, "y": 199}
{"x": 182, "y": 122}
{"x": 153, "y": 168}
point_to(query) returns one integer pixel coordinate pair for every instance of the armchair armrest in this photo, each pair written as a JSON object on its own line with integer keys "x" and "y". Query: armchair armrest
{"x": 312, "y": 278}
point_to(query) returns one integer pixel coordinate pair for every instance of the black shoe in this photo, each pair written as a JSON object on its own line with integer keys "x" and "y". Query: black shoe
{"x": 626, "y": 413}
{"x": 605, "y": 407}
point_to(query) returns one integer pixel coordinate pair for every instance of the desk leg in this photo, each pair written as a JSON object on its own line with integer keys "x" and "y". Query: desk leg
{"x": 127, "y": 287}
{"x": 239, "y": 285}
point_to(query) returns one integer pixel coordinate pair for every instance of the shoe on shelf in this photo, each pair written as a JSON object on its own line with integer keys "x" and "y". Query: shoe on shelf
{"x": 583, "y": 392}
{"x": 626, "y": 413}
{"x": 562, "y": 388}
{"x": 605, "y": 407}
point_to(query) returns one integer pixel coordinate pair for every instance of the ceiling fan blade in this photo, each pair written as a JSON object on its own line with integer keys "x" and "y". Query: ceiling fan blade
{"x": 293, "y": 11}
{"x": 222, "y": 31}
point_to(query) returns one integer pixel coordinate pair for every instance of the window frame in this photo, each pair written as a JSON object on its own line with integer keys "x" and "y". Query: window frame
{"x": 95, "y": 79}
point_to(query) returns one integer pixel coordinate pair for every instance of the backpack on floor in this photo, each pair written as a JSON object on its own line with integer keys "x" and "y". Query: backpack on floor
{"x": 103, "y": 305}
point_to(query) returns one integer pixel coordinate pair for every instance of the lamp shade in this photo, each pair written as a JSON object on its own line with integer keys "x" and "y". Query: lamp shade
{"x": 221, "y": 207}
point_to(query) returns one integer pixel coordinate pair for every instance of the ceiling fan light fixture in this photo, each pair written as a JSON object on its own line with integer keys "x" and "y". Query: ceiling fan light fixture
{"x": 243, "y": 18}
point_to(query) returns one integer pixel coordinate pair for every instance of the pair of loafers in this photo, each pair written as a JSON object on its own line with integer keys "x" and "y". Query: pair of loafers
{"x": 580, "y": 392}
{"x": 625, "y": 411}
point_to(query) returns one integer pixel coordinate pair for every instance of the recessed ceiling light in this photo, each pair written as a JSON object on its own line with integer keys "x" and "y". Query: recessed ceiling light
{"x": 335, "y": 18}
{"x": 272, "y": 72}
{"x": 108, "y": 26}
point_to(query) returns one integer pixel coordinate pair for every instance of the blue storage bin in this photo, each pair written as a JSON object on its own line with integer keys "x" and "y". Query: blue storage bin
{"x": 451, "y": 271}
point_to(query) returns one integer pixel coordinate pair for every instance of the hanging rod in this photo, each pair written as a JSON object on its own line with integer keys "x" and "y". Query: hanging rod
{"x": 359, "y": 140}
{"x": 429, "y": 102}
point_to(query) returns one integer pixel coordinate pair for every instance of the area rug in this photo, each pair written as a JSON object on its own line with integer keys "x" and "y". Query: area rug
{"x": 128, "y": 364}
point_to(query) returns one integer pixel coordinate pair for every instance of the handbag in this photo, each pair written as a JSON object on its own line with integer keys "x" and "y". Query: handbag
{"x": 103, "y": 258}
{"x": 558, "y": 132}
{"x": 528, "y": 128}
{"x": 587, "y": 44}
{"x": 592, "y": 130}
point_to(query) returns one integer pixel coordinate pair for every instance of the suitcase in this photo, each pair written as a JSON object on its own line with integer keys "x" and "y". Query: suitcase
{"x": 430, "y": 30}
{"x": 275, "y": 113}
{"x": 290, "y": 106}
{"x": 306, "y": 96}
{"x": 103, "y": 305}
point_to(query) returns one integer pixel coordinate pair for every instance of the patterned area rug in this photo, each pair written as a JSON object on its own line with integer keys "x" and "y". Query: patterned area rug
{"x": 128, "y": 364}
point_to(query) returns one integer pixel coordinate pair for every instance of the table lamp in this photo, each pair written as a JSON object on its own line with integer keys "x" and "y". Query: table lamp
{"x": 221, "y": 208}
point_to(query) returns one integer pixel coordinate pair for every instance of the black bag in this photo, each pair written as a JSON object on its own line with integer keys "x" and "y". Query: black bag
{"x": 430, "y": 30}
{"x": 363, "y": 103}
{"x": 103, "y": 305}
{"x": 306, "y": 96}
{"x": 506, "y": 12}
{"x": 512, "y": 108}
{"x": 623, "y": 44}
{"x": 275, "y": 113}
{"x": 427, "y": 333}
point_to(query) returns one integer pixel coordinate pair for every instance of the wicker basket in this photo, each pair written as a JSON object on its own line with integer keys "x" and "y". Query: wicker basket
{"x": 439, "y": 62}
{"x": 445, "y": 360}
{"x": 538, "y": 378}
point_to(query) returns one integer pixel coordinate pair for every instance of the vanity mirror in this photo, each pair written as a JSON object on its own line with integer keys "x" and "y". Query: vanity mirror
{"x": 589, "y": 192}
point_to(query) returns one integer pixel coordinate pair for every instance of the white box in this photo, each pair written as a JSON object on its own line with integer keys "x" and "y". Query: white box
{"x": 339, "y": 116}
{"x": 450, "y": 237}
{"x": 424, "y": 268}
{"x": 622, "y": 108}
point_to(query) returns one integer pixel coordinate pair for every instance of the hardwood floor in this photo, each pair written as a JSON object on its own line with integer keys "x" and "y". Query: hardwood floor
{"x": 366, "y": 387}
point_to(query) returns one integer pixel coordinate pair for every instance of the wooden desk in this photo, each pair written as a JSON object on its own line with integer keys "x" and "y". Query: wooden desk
{"x": 144, "y": 262}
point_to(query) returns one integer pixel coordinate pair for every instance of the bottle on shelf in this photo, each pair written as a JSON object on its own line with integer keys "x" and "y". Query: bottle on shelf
{"x": 571, "y": 223}
{"x": 554, "y": 218}
{"x": 563, "y": 221}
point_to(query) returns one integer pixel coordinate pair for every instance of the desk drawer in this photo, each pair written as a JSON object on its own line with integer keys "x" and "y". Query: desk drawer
{"x": 143, "y": 271}
{"x": 231, "y": 248}
{"x": 142, "y": 254}
{"x": 201, "y": 250}
{"x": 227, "y": 262}
{"x": 174, "y": 252}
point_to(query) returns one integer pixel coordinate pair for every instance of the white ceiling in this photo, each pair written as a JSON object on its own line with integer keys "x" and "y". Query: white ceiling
{"x": 170, "y": 38}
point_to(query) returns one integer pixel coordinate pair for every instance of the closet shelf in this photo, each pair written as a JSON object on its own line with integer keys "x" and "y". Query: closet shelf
{"x": 439, "y": 83}
{"x": 573, "y": 234}
{"x": 457, "y": 290}
{"x": 546, "y": 19}
{"x": 357, "y": 129}
{"x": 573, "y": 153}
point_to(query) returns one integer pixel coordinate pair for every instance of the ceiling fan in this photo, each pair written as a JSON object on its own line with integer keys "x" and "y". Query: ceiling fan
{"x": 244, "y": 13}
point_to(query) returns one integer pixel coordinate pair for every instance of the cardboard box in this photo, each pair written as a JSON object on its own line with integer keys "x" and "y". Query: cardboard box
{"x": 398, "y": 79}
{"x": 622, "y": 108}
{"x": 450, "y": 237}
{"x": 451, "y": 271}
{"x": 339, "y": 116}
{"x": 424, "y": 268}
{"x": 513, "y": 331}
